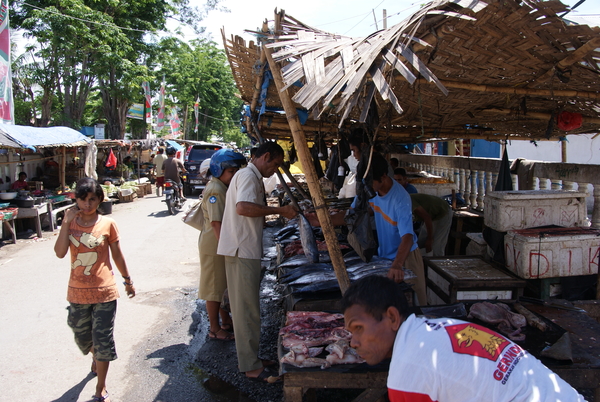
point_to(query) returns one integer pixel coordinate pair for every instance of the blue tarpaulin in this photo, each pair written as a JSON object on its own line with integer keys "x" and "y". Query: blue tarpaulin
{"x": 30, "y": 137}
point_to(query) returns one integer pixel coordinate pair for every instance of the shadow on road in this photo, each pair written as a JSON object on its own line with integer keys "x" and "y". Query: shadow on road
{"x": 162, "y": 214}
{"x": 73, "y": 393}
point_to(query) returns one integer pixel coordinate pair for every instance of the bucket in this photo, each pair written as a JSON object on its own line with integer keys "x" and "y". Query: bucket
{"x": 105, "y": 207}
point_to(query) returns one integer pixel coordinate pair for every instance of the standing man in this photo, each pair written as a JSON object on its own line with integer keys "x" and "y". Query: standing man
{"x": 171, "y": 168}
{"x": 442, "y": 359}
{"x": 158, "y": 169}
{"x": 241, "y": 244}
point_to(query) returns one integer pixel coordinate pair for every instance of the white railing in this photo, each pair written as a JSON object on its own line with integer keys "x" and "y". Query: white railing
{"x": 475, "y": 177}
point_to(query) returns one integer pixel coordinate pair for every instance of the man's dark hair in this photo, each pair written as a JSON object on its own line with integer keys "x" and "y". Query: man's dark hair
{"x": 88, "y": 185}
{"x": 400, "y": 171}
{"x": 22, "y": 174}
{"x": 394, "y": 161}
{"x": 253, "y": 151}
{"x": 379, "y": 166}
{"x": 161, "y": 151}
{"x": 357, "y": 137}
{"x": 376, "y": 294}
{"x": 273, "y": 148}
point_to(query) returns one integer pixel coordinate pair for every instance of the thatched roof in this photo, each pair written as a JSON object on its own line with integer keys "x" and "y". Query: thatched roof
{"x": 455, "y": 69}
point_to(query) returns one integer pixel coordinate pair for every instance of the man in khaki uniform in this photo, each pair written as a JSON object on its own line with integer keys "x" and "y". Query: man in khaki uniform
{"x": 241, "y": 244}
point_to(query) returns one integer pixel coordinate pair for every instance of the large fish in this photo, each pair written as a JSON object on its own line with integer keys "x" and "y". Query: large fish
{"x": 301, "y": 260}
{"x": 291, "y": 274}
{"x": 309, "y": 242}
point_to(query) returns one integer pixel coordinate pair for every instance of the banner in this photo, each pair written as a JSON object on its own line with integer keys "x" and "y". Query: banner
{"x": 196, "y": 110}
{"x": 6, "y": 97}
{"x": 136, "y": 111}
{"x": 175, "y": 123}
{"x": 160, "y": 117}
{"x": 146, "y": 87}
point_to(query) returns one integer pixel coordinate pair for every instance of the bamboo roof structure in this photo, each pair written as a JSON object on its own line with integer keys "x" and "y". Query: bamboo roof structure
{"x": 456, "y": 69}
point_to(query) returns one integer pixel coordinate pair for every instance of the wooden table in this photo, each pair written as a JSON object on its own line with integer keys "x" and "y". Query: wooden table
{"x": 297, "y": 382}
{"x": 35, "y": 212}
{"x": 8, "y": 225}
{"x": 459, "y": 217}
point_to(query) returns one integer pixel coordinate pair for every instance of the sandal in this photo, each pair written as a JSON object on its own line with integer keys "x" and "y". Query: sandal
{"x": 227, "y": 327}
{"x": 104, "y": 398}
{"x": 214, "y": 335}
{"x": 268, "y": 376}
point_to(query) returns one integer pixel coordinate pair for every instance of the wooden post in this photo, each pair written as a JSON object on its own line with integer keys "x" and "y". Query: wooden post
{"x": 563, "y": 151}
{"x": 63, "y": 169}
{"x": 337, "y": 260}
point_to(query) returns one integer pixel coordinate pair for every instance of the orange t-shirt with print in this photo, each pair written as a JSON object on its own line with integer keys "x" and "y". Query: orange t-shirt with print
{"x": 92, "y": 279}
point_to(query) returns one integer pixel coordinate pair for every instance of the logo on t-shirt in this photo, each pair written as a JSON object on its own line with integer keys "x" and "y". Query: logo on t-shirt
{"x": 475, "y": 340}
{"x": 212, "y": 199}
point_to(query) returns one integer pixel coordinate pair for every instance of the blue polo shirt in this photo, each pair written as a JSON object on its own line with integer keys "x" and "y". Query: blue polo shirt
{"x": 393, "y": 217}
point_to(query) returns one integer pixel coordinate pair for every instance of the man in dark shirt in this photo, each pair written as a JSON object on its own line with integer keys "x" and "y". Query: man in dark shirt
{"x": 171, "y": 168}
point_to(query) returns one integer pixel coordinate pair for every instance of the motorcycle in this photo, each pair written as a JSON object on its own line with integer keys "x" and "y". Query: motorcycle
{"x": 172, "y": 197}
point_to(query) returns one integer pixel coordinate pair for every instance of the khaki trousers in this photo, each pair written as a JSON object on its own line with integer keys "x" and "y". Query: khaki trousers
{"x": 243, "y": 284}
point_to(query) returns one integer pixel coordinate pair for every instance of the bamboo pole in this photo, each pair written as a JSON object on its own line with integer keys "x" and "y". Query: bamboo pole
{"x": 509, "y": 90}
{"x": 575, "y": 56}
{"x": 295, "y": 182}
{"x": 537, "y": 115}
{"x": 337, "y": 260}
{"x": 563, "y": 151}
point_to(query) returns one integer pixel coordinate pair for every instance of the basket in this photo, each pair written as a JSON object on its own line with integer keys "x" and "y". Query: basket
{"x": 4, "y": 205}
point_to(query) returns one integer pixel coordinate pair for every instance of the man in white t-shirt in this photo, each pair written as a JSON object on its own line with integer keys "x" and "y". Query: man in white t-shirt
{"x": 442, "y": 359}
{"x": 241, "y": 244}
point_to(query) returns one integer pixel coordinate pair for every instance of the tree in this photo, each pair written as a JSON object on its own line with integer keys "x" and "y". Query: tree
{"x": 199, "y": 70}
{"x": 83, "y": 46}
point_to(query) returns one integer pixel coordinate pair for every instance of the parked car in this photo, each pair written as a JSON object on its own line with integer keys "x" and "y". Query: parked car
{"x": 194, "y": 157}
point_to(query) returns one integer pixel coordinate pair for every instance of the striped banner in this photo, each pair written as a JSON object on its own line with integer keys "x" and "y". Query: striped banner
{"x": 6, "y": 97}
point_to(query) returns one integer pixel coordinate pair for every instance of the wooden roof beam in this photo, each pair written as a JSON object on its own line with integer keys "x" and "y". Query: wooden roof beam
{"x": 571, "y": 59}
{"x": 510, "y": 90}
{"x": 536, "y": 115}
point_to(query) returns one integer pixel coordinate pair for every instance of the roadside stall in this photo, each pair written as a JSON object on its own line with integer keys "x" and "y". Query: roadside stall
{"x": 50, "y": 158}
{"x": 405, "y": 84}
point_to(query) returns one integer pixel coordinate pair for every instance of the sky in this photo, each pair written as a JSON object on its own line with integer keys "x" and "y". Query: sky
{"x": 354, "y": 18}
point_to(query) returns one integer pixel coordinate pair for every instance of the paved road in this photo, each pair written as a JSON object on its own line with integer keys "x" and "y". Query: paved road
{"x": 154, "y": 331}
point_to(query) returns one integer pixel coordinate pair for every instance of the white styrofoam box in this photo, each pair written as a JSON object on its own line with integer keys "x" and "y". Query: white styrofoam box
{"x": 552, "y": 253}
{"x": 437, "y": 189}
{"x": 125, "y": 191}
{"x": 512, "y": 210}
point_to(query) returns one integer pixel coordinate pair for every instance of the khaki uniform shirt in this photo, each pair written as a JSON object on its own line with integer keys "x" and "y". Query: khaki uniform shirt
{"x": 213, "y": 206}
{"x": 242, "y": 234}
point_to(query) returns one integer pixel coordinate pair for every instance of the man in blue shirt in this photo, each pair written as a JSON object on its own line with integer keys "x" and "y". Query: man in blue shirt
{"x": 392, "y": 208}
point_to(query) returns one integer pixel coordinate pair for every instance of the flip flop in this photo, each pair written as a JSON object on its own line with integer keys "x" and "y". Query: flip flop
{"x": 213, "y": 335}
{"x": 268, "y": 376}
{"x": 227, "y": 327}
{"x": 103, "y": 398}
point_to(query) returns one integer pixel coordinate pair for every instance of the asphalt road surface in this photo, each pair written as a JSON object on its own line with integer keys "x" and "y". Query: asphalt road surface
{"x": 39, "y": 361}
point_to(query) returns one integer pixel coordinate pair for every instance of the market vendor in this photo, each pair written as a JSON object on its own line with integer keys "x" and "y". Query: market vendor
{"x": 21, "y": 183}
{"x": 442, "y": 359}
{"x": 401, "y": 178}
{"x": 437, "y": 215}
{"x": 392, "y": 208}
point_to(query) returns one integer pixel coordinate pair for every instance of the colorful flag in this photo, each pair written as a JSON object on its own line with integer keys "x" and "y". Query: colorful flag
{"x": 175, "y": 123}
{"x": 136, "y": 111}
{"x": 146, "y": 87}
{"x": 6, "y": 97}
{"x": 196, "y": 111}
{"x": 160, "y": 118}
